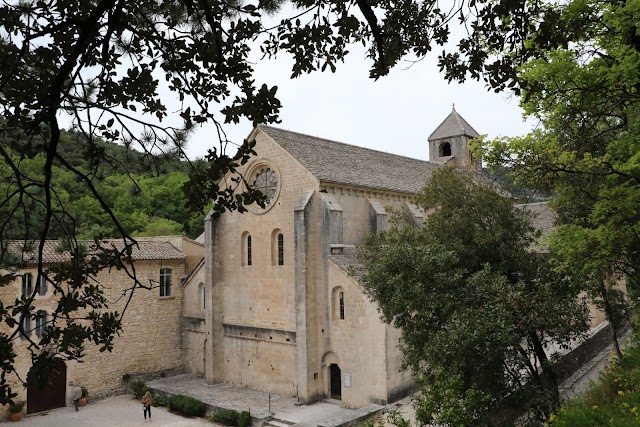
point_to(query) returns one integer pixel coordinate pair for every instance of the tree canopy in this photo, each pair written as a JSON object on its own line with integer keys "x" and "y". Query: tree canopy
{"x": 585, "y": 152}
{"x": 146, "y": 73}
{"x": 477, "y": 307}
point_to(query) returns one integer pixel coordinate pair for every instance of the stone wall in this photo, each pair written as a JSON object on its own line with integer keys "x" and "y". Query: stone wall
{"x": 358, "y": 341}
{"x": 260, "y": 295}
{"x": 149, "y": 343}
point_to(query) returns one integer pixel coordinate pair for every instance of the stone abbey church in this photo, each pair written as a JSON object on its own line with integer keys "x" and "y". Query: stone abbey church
{"x": 263, "y": 299}
{"x": 283, "y": 314}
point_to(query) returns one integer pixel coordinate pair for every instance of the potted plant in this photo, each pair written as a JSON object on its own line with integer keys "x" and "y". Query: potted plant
{"x": 84, "y": 397}
{"x": 15, "y": 410}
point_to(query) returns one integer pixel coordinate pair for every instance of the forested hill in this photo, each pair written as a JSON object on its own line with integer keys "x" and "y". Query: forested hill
{"x": 148, "y": 200}
{"x": 118, "y": 158}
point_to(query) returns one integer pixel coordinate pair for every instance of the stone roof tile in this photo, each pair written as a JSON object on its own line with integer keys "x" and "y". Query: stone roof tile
{"x": 453, "y": 125}
{"x": 339, "y": 163}
{"x": 349, "y": 263}
{"x": 145, "y": 250}
{"x": 543, "y": 218}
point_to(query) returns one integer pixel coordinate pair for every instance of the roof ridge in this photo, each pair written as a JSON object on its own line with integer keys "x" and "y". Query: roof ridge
{"x": 346, "y": 145}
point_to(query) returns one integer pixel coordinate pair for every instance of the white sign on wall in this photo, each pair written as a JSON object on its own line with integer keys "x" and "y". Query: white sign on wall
{"x": 347, "y": 380}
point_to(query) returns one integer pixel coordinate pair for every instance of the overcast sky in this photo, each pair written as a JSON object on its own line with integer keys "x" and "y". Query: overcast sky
{"x": 395, "y": 114}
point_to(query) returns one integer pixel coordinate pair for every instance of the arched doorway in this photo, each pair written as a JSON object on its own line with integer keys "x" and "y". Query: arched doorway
{"x": 335, "y": 381}
{"x": 51, "y": 394}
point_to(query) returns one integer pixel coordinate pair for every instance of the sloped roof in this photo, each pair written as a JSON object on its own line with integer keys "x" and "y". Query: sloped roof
{"x": 543, "y": 217}
{"x": 349, "y": 263}
{"x": 339, "y": 163}
{"x": 453, "y": 125}
{"x": 144, "y": 250}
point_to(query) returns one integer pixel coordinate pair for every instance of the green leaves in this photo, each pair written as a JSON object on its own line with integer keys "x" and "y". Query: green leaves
{"x": 474, "y": 304}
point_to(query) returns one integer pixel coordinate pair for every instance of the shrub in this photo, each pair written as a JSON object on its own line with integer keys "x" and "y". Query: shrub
{"x": 85, "y": 392}
{"x": 159, "y": 400}
{"x": 126, "y": 377}
{"x": 17, "y": 406}
{"x": 187, "y": 406}
{"x": 227, "y": 417}
{"x": 139, "y": 388}
{"x": 244, "y": 419}
{"x": 614, "y": 400}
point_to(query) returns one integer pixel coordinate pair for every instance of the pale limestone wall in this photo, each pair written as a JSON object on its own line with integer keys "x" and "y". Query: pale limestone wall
{"x": 398, "y": 381}
{"x": 315, "y": 258}
{"x": 151, "y": 327}
{"x": 257, "y": 362}
{"x": 193, "y": 321}
{"x": 359, "y": 342}
{"x": 193, "y": 306}
{"x": 258, "y": 299}
{"x": 355, "y": 210}
{"x": 270, "y": 327}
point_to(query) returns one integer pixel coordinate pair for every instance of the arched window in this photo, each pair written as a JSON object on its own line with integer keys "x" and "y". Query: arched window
{"x": 280, "y": 249}
{"x": 445, "y": 149}
{"x": 277, "y": 247}
{"x": 249, "y": 261}
{"x": 337, "y": 300}
{"x": 202, "y": 297}
{"x": 27, "y": 284}
{"x": 245, "y": 244}
{"x": 165, "y": 282}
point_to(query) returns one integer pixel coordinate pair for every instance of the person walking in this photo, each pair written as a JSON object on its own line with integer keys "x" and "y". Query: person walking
{"x": 146, "y": 404}
{"x": 76, "y": 394}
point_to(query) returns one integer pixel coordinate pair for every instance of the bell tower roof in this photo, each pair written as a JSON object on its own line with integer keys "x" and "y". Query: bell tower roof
{"x": 453, "y": 125}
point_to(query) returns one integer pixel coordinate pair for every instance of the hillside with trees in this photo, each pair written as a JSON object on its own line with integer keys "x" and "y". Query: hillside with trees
{"x": 145, "y": 192}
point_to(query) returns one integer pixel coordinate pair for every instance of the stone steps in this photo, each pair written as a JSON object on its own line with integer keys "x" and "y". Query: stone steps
{"x": 276, "y": 422}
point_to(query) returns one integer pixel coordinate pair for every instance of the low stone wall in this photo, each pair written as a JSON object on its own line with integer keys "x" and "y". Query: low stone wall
{"x": 353, "y": 418}
{"x": 583, "y": 353}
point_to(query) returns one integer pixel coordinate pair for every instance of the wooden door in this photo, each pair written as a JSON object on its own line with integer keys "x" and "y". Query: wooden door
{"x": 53, "y": 394}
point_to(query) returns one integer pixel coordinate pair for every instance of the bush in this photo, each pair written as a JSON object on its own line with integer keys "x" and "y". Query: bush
{"x": 187, "y": 406}
{"x": 139, "y": 388}
{"x": 17, "y": 406}
{"x": 85, "y": 392}
{"x": 616, "y": 397}
{"x": 159, "y": 400}
{"x": 126, "y": 377}
{"x": 227, "y": 417}
{"x": 244, "y": 419}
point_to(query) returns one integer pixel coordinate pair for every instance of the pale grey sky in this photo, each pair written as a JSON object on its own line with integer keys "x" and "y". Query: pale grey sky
{"x": 395, "y": 114}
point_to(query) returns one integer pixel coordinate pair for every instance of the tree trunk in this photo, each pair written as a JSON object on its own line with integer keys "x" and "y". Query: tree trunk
{"x": 548, "y": 377}
{"x": 608, "y": 311}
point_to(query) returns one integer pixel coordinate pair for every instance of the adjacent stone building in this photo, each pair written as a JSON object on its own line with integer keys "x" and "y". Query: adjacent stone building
{"x": 282, "y": 312}
{"x": 151, "y": 340}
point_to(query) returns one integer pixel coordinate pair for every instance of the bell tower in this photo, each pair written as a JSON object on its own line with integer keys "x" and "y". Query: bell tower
{"x": 449, "y": 143}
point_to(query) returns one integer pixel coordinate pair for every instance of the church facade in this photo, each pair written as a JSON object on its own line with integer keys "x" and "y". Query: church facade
{"x": 285, "y": 311}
